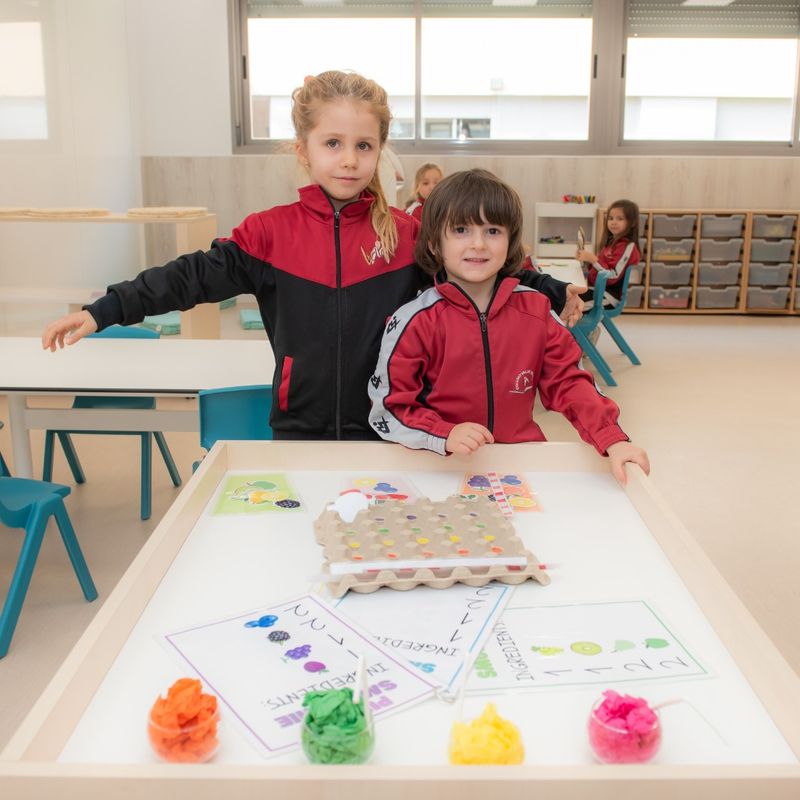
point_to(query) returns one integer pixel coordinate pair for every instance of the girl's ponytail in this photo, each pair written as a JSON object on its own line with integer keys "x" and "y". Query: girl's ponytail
{"x": 381, "y": 217}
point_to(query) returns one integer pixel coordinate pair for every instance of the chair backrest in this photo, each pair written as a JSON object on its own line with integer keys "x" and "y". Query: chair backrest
{"x": 623, "y": 298}
{"x": 236, "y": 412}
{"x": 591, "y": 319}
{"x": 125, "y": 332}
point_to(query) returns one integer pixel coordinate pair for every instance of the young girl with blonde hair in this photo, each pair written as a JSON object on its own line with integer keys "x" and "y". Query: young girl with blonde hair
{"x": 326, "y": 270}
{"x": 425, "y": 180}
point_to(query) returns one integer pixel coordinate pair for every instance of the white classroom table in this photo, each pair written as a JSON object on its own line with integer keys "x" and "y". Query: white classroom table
{"x": 565, "y": 269}
{"x": 158, "y": 367}
{"x": 86, "y": 734}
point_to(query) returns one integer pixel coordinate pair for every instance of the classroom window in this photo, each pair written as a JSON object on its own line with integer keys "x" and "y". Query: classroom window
{"x": 700, "y": 74}
{"x": 486, "y": 67}
{"x": 23, "y": 95}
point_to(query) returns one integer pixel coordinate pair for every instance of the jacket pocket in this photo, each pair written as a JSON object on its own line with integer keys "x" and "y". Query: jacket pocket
{"x": 286, "y": 380}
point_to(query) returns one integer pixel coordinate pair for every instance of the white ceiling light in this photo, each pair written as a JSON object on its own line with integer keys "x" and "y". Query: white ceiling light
{"x": 514, "y": 2}
{"x": 706, "y": 2}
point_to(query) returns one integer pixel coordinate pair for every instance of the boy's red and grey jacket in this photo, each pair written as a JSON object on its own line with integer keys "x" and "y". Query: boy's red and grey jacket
{"x": 443, "y": 363}
{"x": 324, "y": 291}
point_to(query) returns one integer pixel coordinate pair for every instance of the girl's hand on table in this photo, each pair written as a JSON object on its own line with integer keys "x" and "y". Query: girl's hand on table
{"x": 68, "y": 330}
{"x": 622, "y": 453}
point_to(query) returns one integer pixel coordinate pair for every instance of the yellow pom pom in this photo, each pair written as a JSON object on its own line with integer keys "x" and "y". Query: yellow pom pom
{"x": 489, "y": 739}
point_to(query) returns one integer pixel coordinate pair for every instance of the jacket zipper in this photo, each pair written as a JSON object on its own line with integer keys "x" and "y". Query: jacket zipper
{"x": 487, "y": 360}
{"x": 338, "y": 325}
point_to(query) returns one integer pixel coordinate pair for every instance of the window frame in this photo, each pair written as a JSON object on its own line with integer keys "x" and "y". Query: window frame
{"x": 606, "y": 105}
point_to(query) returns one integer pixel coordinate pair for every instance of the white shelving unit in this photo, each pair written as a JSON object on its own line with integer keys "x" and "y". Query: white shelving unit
{"x": 563, "y": 219}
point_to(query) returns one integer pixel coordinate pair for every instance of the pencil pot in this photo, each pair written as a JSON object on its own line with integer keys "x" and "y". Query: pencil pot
{"x": 336, "y": 730}
{"x": 623, "y": 730}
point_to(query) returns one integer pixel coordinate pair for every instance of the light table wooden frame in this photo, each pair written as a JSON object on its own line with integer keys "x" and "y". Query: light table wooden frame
{"x": 29, "y": 766}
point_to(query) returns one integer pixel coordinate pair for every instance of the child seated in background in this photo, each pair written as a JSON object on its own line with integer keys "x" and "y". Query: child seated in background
{"x": 459, "y": 366}
{"x": 427, "y": 176}
{"x": 619, "y": 251}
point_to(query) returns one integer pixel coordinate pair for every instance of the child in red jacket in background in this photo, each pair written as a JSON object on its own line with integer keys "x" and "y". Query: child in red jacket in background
{"x": 425, "y": 180}
{"x": 618, "y": 253}
{"x": 460, "y": 365}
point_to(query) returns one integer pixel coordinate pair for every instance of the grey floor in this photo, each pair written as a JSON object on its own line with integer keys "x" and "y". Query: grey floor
{"x": 716, "y": 404}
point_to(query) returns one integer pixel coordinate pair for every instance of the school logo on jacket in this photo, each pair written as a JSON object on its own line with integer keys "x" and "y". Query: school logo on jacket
{"x": 374, "y": 254}
{"x": 523, "y": 382}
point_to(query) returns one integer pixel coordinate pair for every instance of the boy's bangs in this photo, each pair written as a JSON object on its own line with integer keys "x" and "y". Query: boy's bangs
{"x": 490, "y": 206}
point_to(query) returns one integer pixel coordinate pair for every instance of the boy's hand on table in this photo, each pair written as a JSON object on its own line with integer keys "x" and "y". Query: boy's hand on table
{"x": 68, "y": 330}
{"x": 623, "y": 452}
{"x": 467, "y": 437}
{"x": 573, "y": 308}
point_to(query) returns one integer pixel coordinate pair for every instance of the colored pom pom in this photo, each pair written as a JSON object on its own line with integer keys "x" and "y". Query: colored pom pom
{"x": 335, "y": 729}
{"x": 624, "y": 729}
{"x": 488, "y": 739}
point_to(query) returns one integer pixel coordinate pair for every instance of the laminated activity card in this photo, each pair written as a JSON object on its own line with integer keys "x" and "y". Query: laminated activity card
{"x": 260, "y": 664}
{"x": 541, "y": 647}
{"x": 434, "y": 630}
{"x": 256, "y": 493}
{"x": 510, "y": 491}
{"x": 380, "y": 487}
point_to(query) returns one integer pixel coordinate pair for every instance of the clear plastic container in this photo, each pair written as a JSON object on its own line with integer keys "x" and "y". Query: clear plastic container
{"x": 663, "y": 297}
{"x": 769, "y": 274}
{"x": 331, "y": 745}
{"x": 673, "y": 226}
{"x": 670, "y": 274}
{"x": 612, "y": 745}
{"x": 672, "y": 249}
{"x": 722, "y": 297}
{"x": 768, "y": 298}
{"x": 188, "y": 744}
{"x": 773, "y": 227}
{"x": 635, "y": 295}
{"x": 719, "y": 225}
{"x": 713, "y": 250}
{"x": 761, "y": 250}
{"x": 719, "y": 274}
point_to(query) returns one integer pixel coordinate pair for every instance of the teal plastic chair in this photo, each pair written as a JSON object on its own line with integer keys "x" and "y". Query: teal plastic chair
{"x": 588, "y": 322}
{"x": 116, "y": 332}
{"x": 235, "y": 412}
{"x": 608, "y": 320}
{"x": 4, "y": 470}
{"x": 29, "y": 504}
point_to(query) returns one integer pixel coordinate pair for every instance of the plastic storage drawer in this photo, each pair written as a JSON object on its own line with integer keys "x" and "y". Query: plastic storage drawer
{"x": 643, "y": 246}
{"x": 637, "y": 273}
{"x": 683, "y": 225}
{"x": 714, "y": 225}
{"x": 642, "y": 224}
{"x": 719, "y": 274}
{"x": 670, "y": 274}
{"x": 712, "y": 250}
{"x": 761, "y": 250}
{"x": 797, "y": 299}
{"x": 635, "y": 295}
{"x": 767, "y": 298}
{"x": 672, "y": 250}
{"x": 726, "y": 297}
{"x": 769, "y": 274}
{"x": 765, "y": 227}
{"x": 670, "y": 298}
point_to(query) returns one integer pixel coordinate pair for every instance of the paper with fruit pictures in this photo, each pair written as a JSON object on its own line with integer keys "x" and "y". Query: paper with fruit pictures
{"x": 261, "y": 663}
{"x": 432, "y": 628}
{"x": 543, "y": 647}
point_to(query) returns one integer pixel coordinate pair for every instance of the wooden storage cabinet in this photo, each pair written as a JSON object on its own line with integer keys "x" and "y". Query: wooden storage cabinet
{"x": 716, "y": 261}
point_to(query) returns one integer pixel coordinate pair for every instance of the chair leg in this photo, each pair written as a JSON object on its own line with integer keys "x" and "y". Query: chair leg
{"x": 4, "y": 470}
{"x": 147, "y": 475}
{"x": 167, "y": 456}
{"x": 74, "y": 552}
{"x": 620, "y": 341}
{"x": 594, "y": 356}
{"x": 34, "y": 532}
{"x": 72, "y": 456}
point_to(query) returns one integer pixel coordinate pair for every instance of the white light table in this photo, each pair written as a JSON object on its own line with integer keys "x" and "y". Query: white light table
{"x": 158, "y": 368}
{"x": 86, "y": 734}
{"x": 565, "y": 269}
{"x": 191, "y": 234}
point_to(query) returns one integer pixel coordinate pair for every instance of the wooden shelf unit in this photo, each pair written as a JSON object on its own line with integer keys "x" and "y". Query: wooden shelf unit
{"x": 741, "y": 307}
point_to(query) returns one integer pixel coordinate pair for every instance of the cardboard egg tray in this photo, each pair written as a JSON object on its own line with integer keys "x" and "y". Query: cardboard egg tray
{"x": 454, "y": 530}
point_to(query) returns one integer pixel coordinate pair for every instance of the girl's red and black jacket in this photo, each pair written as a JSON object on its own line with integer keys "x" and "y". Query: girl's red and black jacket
{"x": 324, "y": 291}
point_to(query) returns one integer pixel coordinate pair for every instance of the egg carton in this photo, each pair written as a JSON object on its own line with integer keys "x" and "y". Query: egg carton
{"x": 374, "y": 549}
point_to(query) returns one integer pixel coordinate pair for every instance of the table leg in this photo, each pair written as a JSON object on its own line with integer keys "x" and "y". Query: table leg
{"x": 20, "y": 438}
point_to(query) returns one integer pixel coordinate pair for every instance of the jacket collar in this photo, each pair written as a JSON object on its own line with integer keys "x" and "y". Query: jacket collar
{"x": 313, "y": 198}
{"x": 456, "y": 296}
